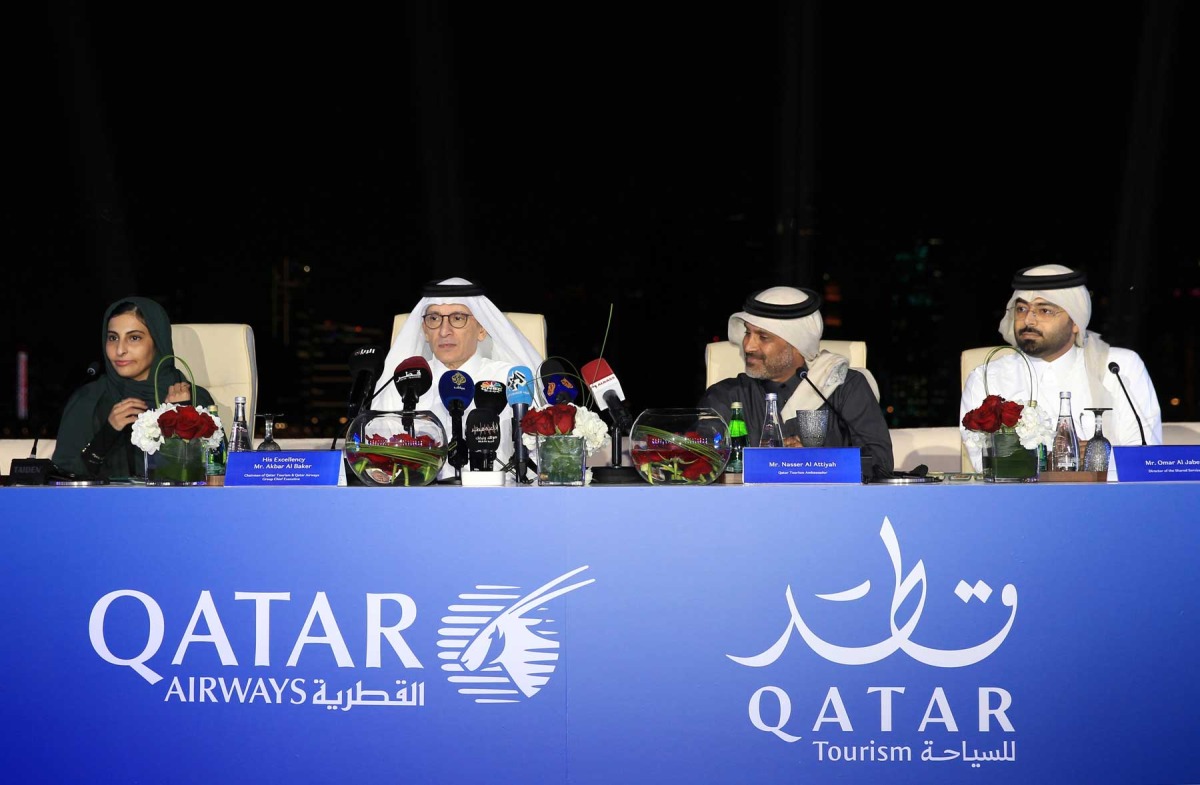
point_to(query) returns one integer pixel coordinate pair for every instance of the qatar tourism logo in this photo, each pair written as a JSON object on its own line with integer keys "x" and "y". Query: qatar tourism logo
{"x": 499, "y": 644}
{"x": 900, "y": 634}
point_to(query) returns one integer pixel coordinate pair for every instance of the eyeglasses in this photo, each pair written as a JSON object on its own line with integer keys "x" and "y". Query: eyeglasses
{"x": 458, "y": 320}
{"x": 1040, "y": 311}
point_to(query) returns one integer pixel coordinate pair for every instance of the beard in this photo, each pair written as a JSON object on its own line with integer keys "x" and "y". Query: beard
{"x": 771, "y": 367}
{"x": 1036, "y": 343}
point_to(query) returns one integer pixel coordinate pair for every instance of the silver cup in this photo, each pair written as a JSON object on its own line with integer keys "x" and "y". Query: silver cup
{"x": 812, "y": 425}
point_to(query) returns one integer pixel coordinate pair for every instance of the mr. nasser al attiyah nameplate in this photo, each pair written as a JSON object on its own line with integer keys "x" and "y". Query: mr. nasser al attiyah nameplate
{"x": 765, "y": 465}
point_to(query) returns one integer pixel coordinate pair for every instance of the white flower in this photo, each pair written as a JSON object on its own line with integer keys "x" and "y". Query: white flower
{"x": 976, "y": 438}
{"x": 146, "y": 434}
{"x": 1035, "y": 427}
{"x": 588, "y": 424}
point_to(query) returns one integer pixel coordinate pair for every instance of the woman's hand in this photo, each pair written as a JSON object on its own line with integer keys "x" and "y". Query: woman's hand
{"x": 179, "y": 393}
{"x": 123, "y": 413}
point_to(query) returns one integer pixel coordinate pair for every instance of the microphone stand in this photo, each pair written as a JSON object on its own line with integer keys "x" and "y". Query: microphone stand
{"x": 615, "y": 474}
{"x": 803, "y": 374}
{"x": 520, "y": 456}
{"x": 1116, "y": 371}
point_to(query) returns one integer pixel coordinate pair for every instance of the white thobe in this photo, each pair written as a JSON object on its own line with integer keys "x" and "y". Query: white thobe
{"x": 1008, "y": 377}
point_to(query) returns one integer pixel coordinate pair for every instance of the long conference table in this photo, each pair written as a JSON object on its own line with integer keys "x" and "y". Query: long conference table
{"x": 873, "y": 634}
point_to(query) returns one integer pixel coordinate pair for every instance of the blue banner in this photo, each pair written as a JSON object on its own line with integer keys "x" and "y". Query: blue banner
{"x": 721, "y": 634}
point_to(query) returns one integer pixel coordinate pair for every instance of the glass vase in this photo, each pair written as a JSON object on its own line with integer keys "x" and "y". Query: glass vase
{"x": 1005, "y": 460}
{"x": 679, "y": 446}
{"x": 177, "y": 462}
{"x": 561, "y": 460}
{"x": 386, "y": 449}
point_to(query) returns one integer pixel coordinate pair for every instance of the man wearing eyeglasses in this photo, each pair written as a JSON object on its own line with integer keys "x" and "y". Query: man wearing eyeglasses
{"x": 455, "y": 326}
{"x": 1046, "y": 320}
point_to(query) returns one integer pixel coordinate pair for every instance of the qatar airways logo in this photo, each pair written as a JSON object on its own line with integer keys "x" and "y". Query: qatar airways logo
{"x": 499, "y": 645}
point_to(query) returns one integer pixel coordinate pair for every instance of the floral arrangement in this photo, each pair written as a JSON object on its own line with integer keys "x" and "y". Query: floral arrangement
{"x": 173, "y": 421}
{"x": 677, "y": 457}
{"x": 564, "y": 419}
{"x": 385, "y": 460}
{"x": 1032, "y": 424}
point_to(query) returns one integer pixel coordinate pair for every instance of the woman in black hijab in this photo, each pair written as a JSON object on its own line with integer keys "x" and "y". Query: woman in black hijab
{"x": 93, "y": 437}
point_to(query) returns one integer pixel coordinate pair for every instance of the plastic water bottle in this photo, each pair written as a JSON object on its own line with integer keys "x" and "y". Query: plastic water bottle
{"x": 772, "y": 430}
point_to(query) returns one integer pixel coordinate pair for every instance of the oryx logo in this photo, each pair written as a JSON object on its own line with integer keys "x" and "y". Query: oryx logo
{"x": 498, "y": 645}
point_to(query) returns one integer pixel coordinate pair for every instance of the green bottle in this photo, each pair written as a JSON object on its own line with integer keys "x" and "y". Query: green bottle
{"x": 737, "y": 438}
{"x": 214, "y": 459}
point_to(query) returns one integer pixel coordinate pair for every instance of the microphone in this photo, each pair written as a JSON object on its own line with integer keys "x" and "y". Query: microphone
{"x": 412, "y": 378}
{"x": 520, "y": 398}
{"x": 603, "y": 382}
{"x": 94, "y": 368}
{"x": 558, "y": 388}
{"x": 1116, "y": 371}
{"x": 483, "y": 438}
{"x": 456, "y": 391}
{"x": 366, "y": 366}
{"x": 490, "y": 396}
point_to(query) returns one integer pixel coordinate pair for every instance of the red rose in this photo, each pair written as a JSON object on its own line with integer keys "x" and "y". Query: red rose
{"x": 645, "y": 456}
{"x": 538, "y": 421}
{"x": 1010, "y": 413}
{"x": 190, "y": 423}
{"x": 697, "y": 469}
{"x": 987, "y": 420}
{"x": 564, "y": 417}
{"x": 166, "y": 423}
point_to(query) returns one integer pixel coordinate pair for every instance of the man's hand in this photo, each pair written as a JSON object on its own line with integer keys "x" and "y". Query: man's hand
{"x": 179, "y": 393}
{"x": 792, "y": 441}
{"x": 123, "y": 413}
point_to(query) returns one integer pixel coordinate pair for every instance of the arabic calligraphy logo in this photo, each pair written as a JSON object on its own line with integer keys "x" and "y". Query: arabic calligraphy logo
{"x": 497, "y": 652}
{"x": 458, "y": 378}
{"x": 900, "y": 637}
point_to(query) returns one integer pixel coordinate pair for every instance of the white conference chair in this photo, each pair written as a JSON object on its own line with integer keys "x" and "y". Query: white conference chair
{"x": 223, "y": 362}
{"x": 723, "y": 360}
{"x": 531, "y": 325}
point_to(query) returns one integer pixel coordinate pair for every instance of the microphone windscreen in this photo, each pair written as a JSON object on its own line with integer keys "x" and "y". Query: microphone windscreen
{"x": 600, "y": 377}
{"x": 413, "y": 375}
{"x": 551, "y": 366}
{"x": 367, "y": 358}
{"x": 456, "y": 388}
{"x": 560, "y": 389}
{"x": 94, "y": 368}
{"x": 490, "y": 395}
{"x": 518, "y": 385}
{"x": 1114, "y": 367}
{"x": 482, "y": 430}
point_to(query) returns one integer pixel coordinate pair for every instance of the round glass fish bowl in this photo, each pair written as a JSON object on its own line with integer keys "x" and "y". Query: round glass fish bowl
{"x": 679, "y": 446}
{"x": 386, "y": 449}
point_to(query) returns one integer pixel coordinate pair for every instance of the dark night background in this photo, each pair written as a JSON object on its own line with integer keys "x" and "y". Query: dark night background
{"x": 306, "y": 171}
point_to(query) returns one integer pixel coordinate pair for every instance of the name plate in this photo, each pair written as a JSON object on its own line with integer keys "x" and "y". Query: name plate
{"x": 765, "y": 465}
{"x": 284, "y": 468}
{"x": 1162, "y": 463}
